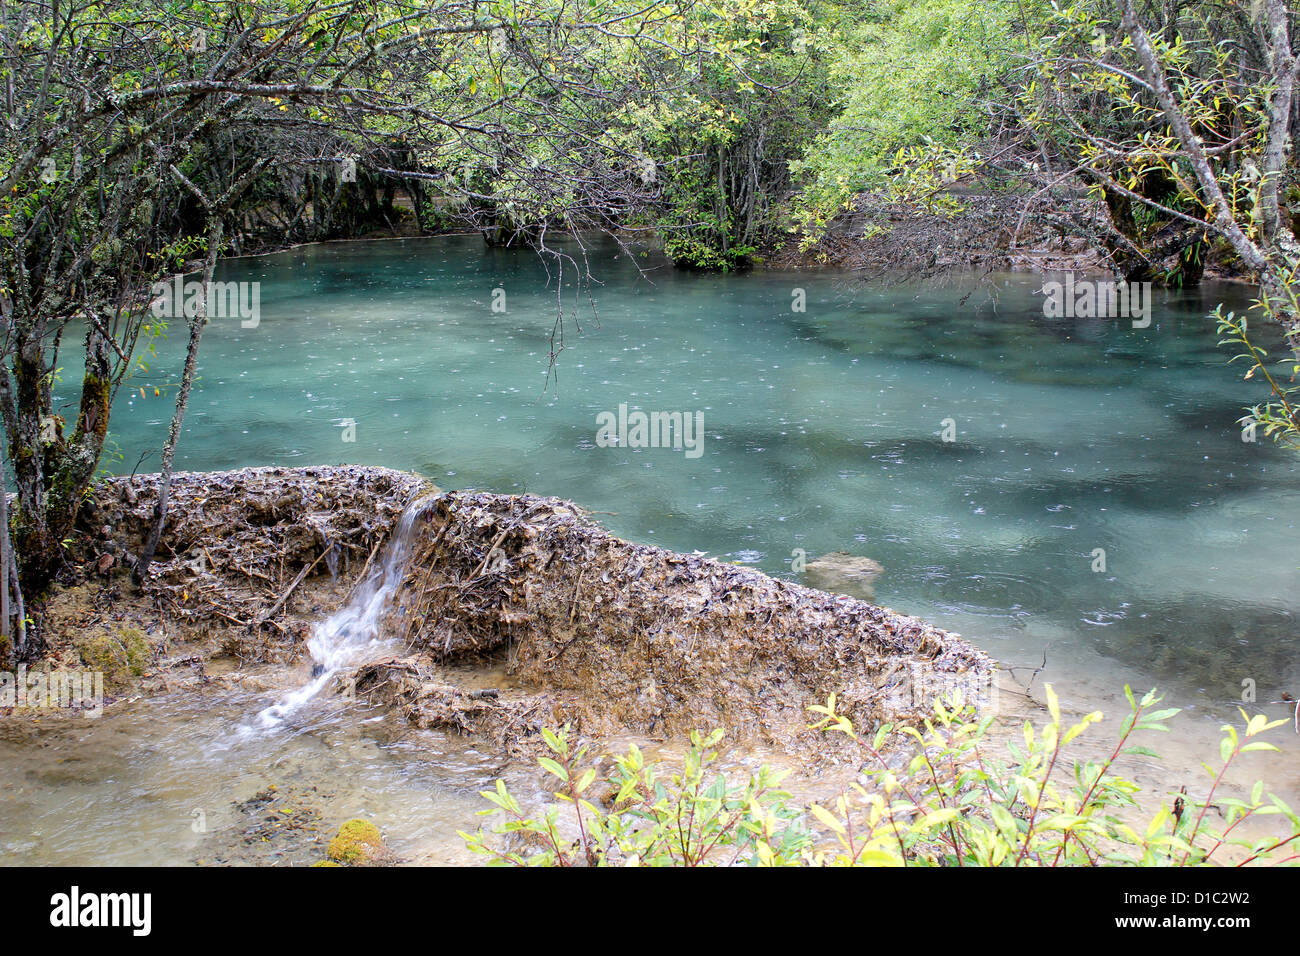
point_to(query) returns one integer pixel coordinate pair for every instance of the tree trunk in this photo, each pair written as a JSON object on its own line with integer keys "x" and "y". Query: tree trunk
{"x": 197, "y": 323}
{"x": 52, "y": 472}
{"x": 13, "y": 633}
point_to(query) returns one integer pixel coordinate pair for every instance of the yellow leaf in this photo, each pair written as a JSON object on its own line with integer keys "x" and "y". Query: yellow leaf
{"x": 1157, "y": 822}
{"x": 824, "y": 815}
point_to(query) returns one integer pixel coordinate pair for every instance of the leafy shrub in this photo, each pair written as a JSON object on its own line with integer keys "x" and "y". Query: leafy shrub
{"x": 951, "y": 802}
{"x": 1280, "y": 418}
{"x": 685, "y": 818}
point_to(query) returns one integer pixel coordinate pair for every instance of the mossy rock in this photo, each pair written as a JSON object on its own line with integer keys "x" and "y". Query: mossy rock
{"x": 326, "y": 863}
{"x": 358, "y": 842}
{"x": 121, "y": 655}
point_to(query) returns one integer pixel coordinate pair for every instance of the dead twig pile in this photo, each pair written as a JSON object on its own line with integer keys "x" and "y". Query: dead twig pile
{"x": 238, "y": 544}
{"x": 420, "y": 693}
{"x": 609, "y": 636}
{"x": 632, "y": 637}
{"x": 895, "y": 241}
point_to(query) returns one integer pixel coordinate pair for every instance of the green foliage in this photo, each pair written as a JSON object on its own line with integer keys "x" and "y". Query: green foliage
{"x": 690, "y": 817}
{"x": 953, "y": 802}
{"x": 721, "y": 144}
{"x": 1279, "y": 419}
{"x": 906, "y": 76}
{"x": 1085, "y": 100}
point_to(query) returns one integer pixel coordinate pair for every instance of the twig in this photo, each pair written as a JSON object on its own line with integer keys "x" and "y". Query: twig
{"x": 296, "y": 581}
{"x": 488, "y": 557}
{"x": 366, "y": 567}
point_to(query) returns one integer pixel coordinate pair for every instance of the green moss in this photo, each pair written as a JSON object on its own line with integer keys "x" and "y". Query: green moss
{"x": 358, "y": 841}
{"x": 138, "y": 649}
{"x": 99, "y": 652}
{"x": 120, "y": 656}
{"x": 326, "y": 863}
{"x": 97, "y": 394}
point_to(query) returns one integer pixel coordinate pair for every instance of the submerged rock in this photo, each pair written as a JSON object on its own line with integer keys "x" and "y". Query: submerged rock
{"x": 844, "y": 573}
{"x": 277, "y": 826}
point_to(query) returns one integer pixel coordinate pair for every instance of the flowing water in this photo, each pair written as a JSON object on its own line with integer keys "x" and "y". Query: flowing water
{"x": 347, "y": 635}
{"x": 824, "y": 430}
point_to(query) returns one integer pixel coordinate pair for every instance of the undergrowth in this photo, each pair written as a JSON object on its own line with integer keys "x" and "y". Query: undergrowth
{"x": 945, "y": 797}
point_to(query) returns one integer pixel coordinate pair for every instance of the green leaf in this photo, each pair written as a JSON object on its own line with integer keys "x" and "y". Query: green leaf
{"x": 553, "y": 768}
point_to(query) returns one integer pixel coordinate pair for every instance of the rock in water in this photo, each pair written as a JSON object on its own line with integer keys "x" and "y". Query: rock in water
{"x": 358, "y": 843}
{"x": 844, "y": 573}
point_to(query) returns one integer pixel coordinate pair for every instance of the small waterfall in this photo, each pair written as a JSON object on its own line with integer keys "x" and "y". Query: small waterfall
{"x": 345, "y": 635}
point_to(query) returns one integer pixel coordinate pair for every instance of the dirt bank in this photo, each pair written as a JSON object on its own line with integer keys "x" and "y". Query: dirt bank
{"x": 248, "y": 561}
{"x": 895, "y": 239}
{"x": 988, "y": 232}
{"x": 579, "y": 625}
{"x": 621, "y": 637}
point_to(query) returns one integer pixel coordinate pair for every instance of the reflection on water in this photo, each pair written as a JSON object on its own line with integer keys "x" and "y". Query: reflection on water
{"x": 824, "y": 432}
